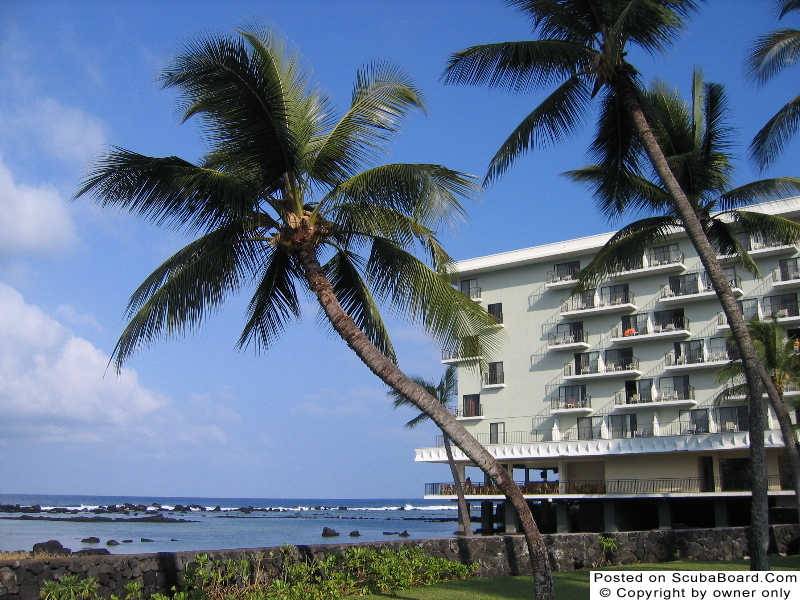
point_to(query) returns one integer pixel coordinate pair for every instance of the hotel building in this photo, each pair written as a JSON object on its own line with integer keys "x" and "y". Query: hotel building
{"x": 603, "y": 405}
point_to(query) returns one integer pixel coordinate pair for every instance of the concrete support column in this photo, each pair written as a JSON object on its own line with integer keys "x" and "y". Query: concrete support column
{"x": 664, "y": 515}
{"x": 720, "y": 512}
{"x": 610, "y": 516}
{"x": 562, "y": 518}
{"x": 487, "y": 517}
{"x": 510, "y": 518}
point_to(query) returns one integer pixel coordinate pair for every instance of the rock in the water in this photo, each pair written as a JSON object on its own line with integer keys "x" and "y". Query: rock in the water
{"x": 355, "y": 533}
{"x": 51, "y": 547}
{"x": 127, "y": 541}
{"x": 90, "y": 540}
{"x": 146, "y": 540}
{"x": 405, "y": 533}
{"x": 328, "y": 532}
{"x": 112, "y": 543}
{"x": 92, "y": 551}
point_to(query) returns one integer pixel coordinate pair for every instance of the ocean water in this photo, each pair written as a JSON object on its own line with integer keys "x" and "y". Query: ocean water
{"x": 297, "y": 521}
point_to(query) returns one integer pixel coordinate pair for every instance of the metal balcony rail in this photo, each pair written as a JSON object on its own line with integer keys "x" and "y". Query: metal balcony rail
{"x": 666, "y": 394}
{"x": 642, "y": 397}
{"x": 497, "y": 317}
{"x": 507, "y": 437}
{"x": 614, "y": 298}
{"x": 630, "y": 363}
{"x": 611, "y": 486}
{"x": 787, "y": 273}
{"x": 559, "y": 276}
{"x": 568, "y": 337}
{"x": 587, "y": 302}
{"x": 570, "y": 403}
{"x": 780, "y": 309}
{"x": 643, "y": 327}
{"x": 473, "y": 292}
{"x": 491, "y": 378}
{"x": 467, "y": 410}
{"x": 697, "y": 285}
{"x": 664, "y": 257}
{"x": 711, "y": 354}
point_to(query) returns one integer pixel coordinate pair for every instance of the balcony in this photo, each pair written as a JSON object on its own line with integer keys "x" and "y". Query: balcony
{"x": 494, "y": 380}
{"x": 473, "y": 293}
{"x": 568, "y": 340}
{"x": 628, "y": 367}
{"x": 711, "y": 357}
{"x": 700, "y": 289}
{"x": 662, "y": 261}
{"x": 507, "y": 437}
{"x": 785, "y": 277}
{"x": 606, "y": 303}
{"x": 467, "y": 411}
{"x": 621, "y": 487}
{"x": 559, "y": 279}
{"x": 572, "y": 406}
{"x": 666, "y": 396}
{"x": 677, "y": 327}
{"x": 722, "y": 320}
{"x": 785, "y": 312}
{"x": 457, "y": 356}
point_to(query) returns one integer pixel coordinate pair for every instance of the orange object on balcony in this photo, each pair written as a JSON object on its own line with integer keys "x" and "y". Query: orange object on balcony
{"x": 629, "y": 331}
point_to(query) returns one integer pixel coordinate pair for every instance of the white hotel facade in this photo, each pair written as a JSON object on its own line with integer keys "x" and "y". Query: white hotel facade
{"x": 603, "y": 404}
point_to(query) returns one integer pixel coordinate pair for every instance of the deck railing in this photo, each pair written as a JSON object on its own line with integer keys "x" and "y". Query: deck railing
{"x": 688, "y": 485}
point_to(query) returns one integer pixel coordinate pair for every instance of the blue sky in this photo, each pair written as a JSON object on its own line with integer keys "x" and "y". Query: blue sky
{"x": 195, "y": 416}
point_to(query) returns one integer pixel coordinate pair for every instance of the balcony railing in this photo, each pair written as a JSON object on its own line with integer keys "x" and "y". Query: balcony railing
{"x": 562, "y": 276}
{"x": 644, "y": 328}
{"x": 491, "y": 378}
{"x": 570, "y": 403}
{"x": 473, "y": 292}
{"x": 630, "y": 363}
{"x": 669, "y": 394}
{"x": 568, "y": 337}
{"x": 578, "y": 303}
{"x": 507, "y": 437}
{"x": 694, "y": 357}
{"x": 664, "y": 257}
{"x": 790, "y": 273}
{"x": 700, "y": 285}
{"x": 681, "y": 485}
{"x": 621, "y": 398}
{"x": 467, "y": 411}
{"x": 780, "y": 310}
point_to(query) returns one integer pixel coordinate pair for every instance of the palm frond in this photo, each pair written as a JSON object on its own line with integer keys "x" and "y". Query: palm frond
{"x": 517, "y": 66}
{"x": 628, "y": 244}
{"x": 274, "y": 302}
{"x": 772, "y": 53}
{"x": 179, "y": 295}
{"x": 770, "y": 141}
{"x": 343, "y": 271}
{"x": 650, "y": 24}
{"x": 555, "y": 119}
{"x": 426, "y": 298}
{"x": 721, "y": 234}
{"x": 170, "y": 191}
{"x": 245, "y": 95}
{"x": 383, "y": 96}
{"x": 777, "y": 188}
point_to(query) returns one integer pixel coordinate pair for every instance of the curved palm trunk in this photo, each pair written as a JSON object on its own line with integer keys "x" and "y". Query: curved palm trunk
{"x": 754, "y": 370}
{"x": 392, "y": 376}
{"x": 463, "y": 509}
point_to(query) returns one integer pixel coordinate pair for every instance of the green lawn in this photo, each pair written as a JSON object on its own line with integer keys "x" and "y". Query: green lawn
{"x": 573, "y": 585}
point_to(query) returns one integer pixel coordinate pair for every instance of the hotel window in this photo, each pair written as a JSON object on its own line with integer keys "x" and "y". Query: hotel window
{"x": 567, "y": 270}
{"x": 495, "y": 375}
{"x": 469, "y": 287}
{"x": 497, "y": 433}
{"x": 666, "y": 320}
{"x": 471, "y": 406}
{"x": 638, "y": 391}
{"x": 496, "y": 311}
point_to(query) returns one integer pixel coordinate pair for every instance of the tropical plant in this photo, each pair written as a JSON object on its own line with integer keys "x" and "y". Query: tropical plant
{"x": 769, "y": 55}
{"x": 781, "y": 356}
{"x": 585, "y": 45}
{"x": 696, "y": 140}
{"x": 288, "y": 197}
{"x": 444, "y": 392}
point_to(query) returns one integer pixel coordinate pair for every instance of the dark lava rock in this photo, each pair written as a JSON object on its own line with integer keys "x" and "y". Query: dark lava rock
{"x": 146, "y": 540}
{"x": 328, "y": 532}
{"x": 92, "y": 552}
{"x": 342, "y": 508}
{"x": 246, "y": 509}
{"x": 217, "y": 508}
{"x": 355, "y": 534}
{"x": 405, "y": 533}
{"x": 127, "y": 541}
{"x": 90, "y": 540}
{"x": 112, "y": 543}
{"x": 52, "y": 547}
{"x": 391, "y": 533}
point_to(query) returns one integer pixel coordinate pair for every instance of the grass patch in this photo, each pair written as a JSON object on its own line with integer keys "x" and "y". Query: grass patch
{"x": 570, "y": 585}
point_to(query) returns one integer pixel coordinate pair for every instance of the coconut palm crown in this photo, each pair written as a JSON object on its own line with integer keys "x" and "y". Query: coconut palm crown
{"x": 768, "y": 56}
{"x": 697, "y": 142}
{"x": 287, "y": 182}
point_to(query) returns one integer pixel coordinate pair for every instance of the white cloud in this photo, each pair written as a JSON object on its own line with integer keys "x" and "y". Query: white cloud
{"x": 67, "y": 133}
{"x": 54, "y": 386}
{"x": 32, "y": 219}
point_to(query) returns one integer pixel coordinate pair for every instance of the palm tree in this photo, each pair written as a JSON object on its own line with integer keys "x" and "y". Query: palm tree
{"x": 289, "y": 197}
{"x": 585, "y": 45}
{"x": 695, "y": 139}
{"x": 769, "y": 55}
{"x": 444, "y": 392}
